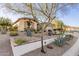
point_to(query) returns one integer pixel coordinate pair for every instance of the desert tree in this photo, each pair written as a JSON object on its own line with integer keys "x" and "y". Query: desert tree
{"x": 5, "y": 23}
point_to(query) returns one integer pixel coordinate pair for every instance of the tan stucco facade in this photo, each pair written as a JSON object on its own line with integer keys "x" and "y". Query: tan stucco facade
{"x": 22, "y": 24}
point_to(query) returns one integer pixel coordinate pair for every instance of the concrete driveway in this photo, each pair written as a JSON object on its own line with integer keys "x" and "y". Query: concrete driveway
{"x": 5, "y": 48}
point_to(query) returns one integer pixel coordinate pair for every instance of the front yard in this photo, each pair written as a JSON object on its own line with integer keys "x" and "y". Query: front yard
{"x": 5, "y": 47}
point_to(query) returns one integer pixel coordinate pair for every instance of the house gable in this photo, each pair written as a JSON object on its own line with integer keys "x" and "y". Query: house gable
{"x": 21, "y": 23}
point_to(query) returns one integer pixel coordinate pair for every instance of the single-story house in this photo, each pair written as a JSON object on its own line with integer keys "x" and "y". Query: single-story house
{"x": 22, "y": 23}
{"x": 71, "y": 28}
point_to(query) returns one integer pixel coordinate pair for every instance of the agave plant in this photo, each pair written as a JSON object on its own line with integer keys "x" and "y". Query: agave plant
{"x": 60, "y": 42}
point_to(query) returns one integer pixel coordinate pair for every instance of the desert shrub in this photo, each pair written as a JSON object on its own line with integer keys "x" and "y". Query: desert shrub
{"x": 68, "y": 37}
{"x": 15, "y": 28}
{"x": 13, "y": 33}
{"x": 19, "y": 41}
{"x": 33, "y": 30}
{"x": 11, "y": 29}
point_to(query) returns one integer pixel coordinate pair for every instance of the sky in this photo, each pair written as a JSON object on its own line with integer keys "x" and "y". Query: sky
{"x": 71, "y": 18}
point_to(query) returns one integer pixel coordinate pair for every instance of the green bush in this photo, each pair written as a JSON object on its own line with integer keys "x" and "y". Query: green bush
{"x": 35, "y": 31}
{"x": 68, "y": 37}
{"x": 13, "y": 33}
{"x": 15, "y": 28}
{"x": 19, "y": 41}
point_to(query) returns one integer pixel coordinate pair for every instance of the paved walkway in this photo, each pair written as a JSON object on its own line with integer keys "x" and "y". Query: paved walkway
{"x": 5, "y": 48}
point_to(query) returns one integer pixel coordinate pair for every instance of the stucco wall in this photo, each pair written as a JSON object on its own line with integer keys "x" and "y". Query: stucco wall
{"x": 21, "y": 24}
{"x": 22, "y": 49}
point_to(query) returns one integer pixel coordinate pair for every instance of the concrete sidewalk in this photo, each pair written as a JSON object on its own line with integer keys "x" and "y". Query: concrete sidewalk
{"x": 74, "y": 50}
{"x": 5, "y": 48}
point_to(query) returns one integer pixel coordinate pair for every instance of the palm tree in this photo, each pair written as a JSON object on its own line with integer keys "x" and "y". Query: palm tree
{"x": 4, "y": 23}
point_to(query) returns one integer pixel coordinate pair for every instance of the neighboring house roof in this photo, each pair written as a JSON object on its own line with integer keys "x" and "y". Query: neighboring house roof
{"x": 24, "y": 18}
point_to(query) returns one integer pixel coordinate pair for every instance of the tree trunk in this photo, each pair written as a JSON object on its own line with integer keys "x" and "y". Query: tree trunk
{"x": 42, "y": 45}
